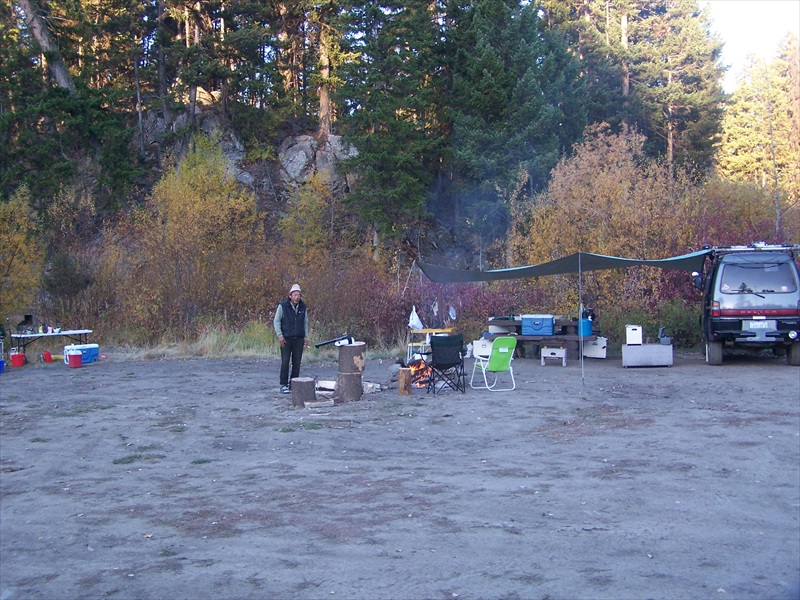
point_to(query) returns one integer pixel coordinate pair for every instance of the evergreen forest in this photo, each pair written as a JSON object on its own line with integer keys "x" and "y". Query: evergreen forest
{"x": 480, "y": 134}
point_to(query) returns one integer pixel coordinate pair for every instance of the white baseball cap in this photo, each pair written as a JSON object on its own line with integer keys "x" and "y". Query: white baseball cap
{"x": 295, "y": 288}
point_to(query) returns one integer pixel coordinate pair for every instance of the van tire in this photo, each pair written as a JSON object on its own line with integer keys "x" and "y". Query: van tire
{"x": 793, "y": 354}
{"x": 714, "y": 353}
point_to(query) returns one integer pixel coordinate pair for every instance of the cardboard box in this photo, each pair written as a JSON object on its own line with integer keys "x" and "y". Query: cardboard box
{"x": 538, "y": 324}
{"x": 90, "y": 352}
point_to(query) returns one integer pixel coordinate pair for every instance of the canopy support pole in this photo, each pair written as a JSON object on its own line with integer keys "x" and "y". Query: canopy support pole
{"x": 580, "y": 316}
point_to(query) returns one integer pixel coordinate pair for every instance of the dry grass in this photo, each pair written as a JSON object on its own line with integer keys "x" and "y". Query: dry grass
{"x": 254, "y": 341}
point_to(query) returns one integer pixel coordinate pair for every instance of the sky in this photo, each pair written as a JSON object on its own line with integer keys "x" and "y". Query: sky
{"x": 751, "y": 27}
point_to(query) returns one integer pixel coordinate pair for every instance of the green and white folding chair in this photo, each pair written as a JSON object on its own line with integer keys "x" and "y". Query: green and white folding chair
{"x": 498, "y": 361}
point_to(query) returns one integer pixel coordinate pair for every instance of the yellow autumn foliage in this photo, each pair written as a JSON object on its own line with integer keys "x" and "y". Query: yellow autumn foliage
{"x": 21, "y": 254}
{"x": 188, "y": 254}
{"x": 607, "y": 199}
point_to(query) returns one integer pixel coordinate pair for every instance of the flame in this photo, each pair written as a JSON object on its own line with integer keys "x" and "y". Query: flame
{"x": 420, "y": 373}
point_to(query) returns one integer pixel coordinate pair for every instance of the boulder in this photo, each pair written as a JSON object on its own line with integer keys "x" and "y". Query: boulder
{"x": 302, "y": 157}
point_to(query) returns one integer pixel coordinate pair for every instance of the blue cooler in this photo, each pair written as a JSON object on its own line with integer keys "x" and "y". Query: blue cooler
{"x": 537, "y": 324}
{"x": 90, "y": 352}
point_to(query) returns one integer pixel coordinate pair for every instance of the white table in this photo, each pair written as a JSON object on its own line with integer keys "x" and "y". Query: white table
{"x": 22, "y": 340}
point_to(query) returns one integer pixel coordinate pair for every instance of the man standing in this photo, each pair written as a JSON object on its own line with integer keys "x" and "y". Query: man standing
{"x": 291, "y": 327}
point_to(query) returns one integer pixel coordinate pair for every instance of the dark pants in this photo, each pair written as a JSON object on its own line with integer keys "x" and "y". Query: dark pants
{"x": 292, "y": 350}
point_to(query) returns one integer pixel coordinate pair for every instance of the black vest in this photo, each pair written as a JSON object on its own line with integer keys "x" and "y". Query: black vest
{"x": 293, "y": 323}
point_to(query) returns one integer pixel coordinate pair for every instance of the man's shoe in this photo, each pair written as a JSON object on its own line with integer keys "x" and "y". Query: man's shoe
{"x": 285, "y": 389}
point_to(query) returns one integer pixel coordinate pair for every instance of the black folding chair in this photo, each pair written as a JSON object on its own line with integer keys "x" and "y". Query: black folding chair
{"x": 447, "y": 363}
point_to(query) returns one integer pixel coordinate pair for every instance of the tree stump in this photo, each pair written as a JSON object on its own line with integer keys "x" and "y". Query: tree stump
{"x": 352, "y": 361}
{"x": 353, "y": 357}
{"x": 303, "y": 390}
{"x": 349, "y": 387}
{"x": 404, "y": 382}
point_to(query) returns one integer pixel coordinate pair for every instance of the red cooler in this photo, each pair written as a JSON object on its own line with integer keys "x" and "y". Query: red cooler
{"x": 75, "y": 359}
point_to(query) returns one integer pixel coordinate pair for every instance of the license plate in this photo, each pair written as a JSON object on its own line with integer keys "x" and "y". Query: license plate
{"x": 760, "y": 324}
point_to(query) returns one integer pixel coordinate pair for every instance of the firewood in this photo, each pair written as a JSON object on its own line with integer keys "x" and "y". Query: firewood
{"x": 404, "y": 382}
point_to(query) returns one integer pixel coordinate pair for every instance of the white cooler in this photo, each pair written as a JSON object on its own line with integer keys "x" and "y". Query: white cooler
{"x": 595, "y": 349}
{"x": 633, "y": 335}
{"x": 481, "y": 347}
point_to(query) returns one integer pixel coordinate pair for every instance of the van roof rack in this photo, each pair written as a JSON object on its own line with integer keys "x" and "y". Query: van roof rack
{"x": 756, "y": 247}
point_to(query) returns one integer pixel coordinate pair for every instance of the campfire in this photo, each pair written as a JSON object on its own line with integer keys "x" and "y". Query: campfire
{"x": 420, "y": 372}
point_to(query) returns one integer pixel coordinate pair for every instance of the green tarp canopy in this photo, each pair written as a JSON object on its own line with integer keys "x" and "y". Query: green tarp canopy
{"x": 574, "y": 263}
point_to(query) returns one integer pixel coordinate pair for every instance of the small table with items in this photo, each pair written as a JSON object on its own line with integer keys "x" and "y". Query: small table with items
{"x": 567, "y": 336}
{"x": 419, "y": 341}
{"x": 23, "y": 340}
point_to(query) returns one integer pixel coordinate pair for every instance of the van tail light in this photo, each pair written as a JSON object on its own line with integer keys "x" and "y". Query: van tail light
{"x": 715, "y": 309}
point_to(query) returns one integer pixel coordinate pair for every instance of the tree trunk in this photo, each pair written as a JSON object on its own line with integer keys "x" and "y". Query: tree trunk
{"x": 670, "y": 138}
{"x": 289, "y": 53}
{"x": 777, "y": 192}
{"x": 193, "y": 30}
{"x": 39, "y": 29}
{"x": 138, "y": 97}
{"x": 376, "y": 243}
{"x": 325, "y": 105}
{"x": 162, "y": 67}
{"x": 626, "y": 73}
{"x": 231, "y": 66}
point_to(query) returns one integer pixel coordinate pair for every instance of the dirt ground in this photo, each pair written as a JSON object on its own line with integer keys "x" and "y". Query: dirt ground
{"x": 198, "y": 479}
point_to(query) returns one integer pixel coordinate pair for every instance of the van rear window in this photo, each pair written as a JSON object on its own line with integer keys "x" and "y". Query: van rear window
{"x": 757, "y": 279}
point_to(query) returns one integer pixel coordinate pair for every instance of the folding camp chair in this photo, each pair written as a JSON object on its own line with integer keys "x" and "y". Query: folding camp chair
{"x": 497, "y": 362}
{"x": 447, "y": 363}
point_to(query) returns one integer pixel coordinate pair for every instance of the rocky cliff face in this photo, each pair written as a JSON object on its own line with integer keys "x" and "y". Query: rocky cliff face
{"x": 300, "y": 158}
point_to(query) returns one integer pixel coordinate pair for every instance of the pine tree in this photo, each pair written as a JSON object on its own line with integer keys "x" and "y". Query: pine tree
{"x": 761, "y": 131}
{"x": 676, "y": 75}
{"x": 597, "y": 33}
{"x": 390, "y": 111}
{"x": 650, "y": 64}
{"x": 518, "y": 103}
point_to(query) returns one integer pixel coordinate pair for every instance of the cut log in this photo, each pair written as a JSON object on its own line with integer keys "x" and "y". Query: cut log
{"x": 303, "y": 390}
{"x": 349, "y": 388}
{"x": 404, "y": 382}
{"x": 353, "y": 357}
